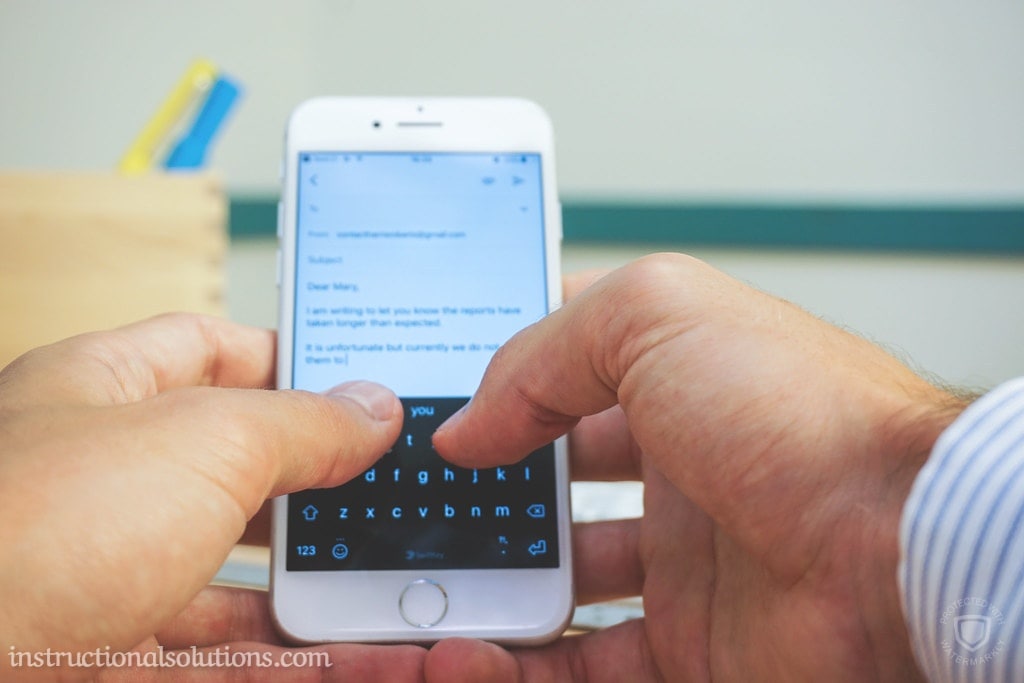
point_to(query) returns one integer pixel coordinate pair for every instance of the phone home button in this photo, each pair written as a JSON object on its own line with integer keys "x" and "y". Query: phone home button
{"x": 423, "y": 603}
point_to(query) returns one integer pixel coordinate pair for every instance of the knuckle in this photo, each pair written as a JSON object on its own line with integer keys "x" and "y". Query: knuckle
{"x": 203, "y": 327}
{"x": 645, "y": 302}
{"x": 651, "y": 277}
{"x": 122, "y": 375}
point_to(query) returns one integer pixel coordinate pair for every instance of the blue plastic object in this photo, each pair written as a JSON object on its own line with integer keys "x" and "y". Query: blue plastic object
{"x": 191, "y": 150}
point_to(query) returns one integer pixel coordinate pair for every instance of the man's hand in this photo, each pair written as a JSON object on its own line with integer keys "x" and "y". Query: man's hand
{"x": 776, "y": 453}
{"x": 128, "y": 470}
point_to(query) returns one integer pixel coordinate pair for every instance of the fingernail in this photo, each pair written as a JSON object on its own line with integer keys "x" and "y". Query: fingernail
{"x": 453, "y": 420}
{"x": 379, "y": 402}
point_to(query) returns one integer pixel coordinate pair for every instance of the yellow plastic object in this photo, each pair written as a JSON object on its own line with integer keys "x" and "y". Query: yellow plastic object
{"x": 139, "y": 158}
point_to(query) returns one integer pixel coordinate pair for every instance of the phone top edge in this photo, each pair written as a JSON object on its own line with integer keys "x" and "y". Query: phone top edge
{"x": 468, "y": 113}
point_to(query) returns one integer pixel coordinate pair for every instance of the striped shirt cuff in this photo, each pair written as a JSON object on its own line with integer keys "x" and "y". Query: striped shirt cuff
{"x": 961, "y": 570}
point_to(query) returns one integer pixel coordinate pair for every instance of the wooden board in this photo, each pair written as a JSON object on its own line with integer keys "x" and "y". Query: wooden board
{"x": 81, "y": 252}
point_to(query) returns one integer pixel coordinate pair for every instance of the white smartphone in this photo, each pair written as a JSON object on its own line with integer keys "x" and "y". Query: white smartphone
{"x": 417, "y": 236}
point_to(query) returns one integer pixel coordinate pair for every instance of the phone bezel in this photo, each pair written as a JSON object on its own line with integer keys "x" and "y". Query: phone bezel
{"x": 516, "y": 606}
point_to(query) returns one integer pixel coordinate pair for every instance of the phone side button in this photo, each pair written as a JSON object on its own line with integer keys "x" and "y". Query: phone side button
{"x": 423, "y": 603}
{"x": 278, "y": 259}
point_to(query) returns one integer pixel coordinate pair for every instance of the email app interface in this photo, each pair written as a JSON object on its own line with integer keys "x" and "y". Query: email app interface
{"x": 411, "y": 270}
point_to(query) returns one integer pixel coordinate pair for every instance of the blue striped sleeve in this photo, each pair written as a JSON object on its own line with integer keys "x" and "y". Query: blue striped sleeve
{"x": 961, "y": 568}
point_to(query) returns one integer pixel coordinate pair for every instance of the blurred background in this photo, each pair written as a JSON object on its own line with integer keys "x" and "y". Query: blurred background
{"x": 865, "y": 160}
{"x": 786, "y": 99}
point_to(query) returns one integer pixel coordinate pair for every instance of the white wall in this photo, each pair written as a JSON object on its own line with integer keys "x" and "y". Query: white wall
{"x": 919, "y": 99}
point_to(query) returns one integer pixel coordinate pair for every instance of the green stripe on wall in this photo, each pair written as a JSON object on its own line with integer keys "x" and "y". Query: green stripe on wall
{"x": 944, "y": 229}
{"x": 252, "y": 217}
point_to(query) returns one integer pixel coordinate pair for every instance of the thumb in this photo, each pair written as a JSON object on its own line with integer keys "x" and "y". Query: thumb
{"x": 548, "y": 376}
{"x": 257, "y": 444}
{"x": 360, "y": 421}
{"x": 176, "y": 477}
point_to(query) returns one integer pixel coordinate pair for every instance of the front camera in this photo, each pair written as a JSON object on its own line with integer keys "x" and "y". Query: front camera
{"x": 376, "y": 124}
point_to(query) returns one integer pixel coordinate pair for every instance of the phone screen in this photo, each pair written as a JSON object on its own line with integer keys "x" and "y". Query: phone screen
{"x": 411, "y": 270}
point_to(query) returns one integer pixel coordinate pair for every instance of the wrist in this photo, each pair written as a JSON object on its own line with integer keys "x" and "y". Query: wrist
{"x": 908, "y": 437}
